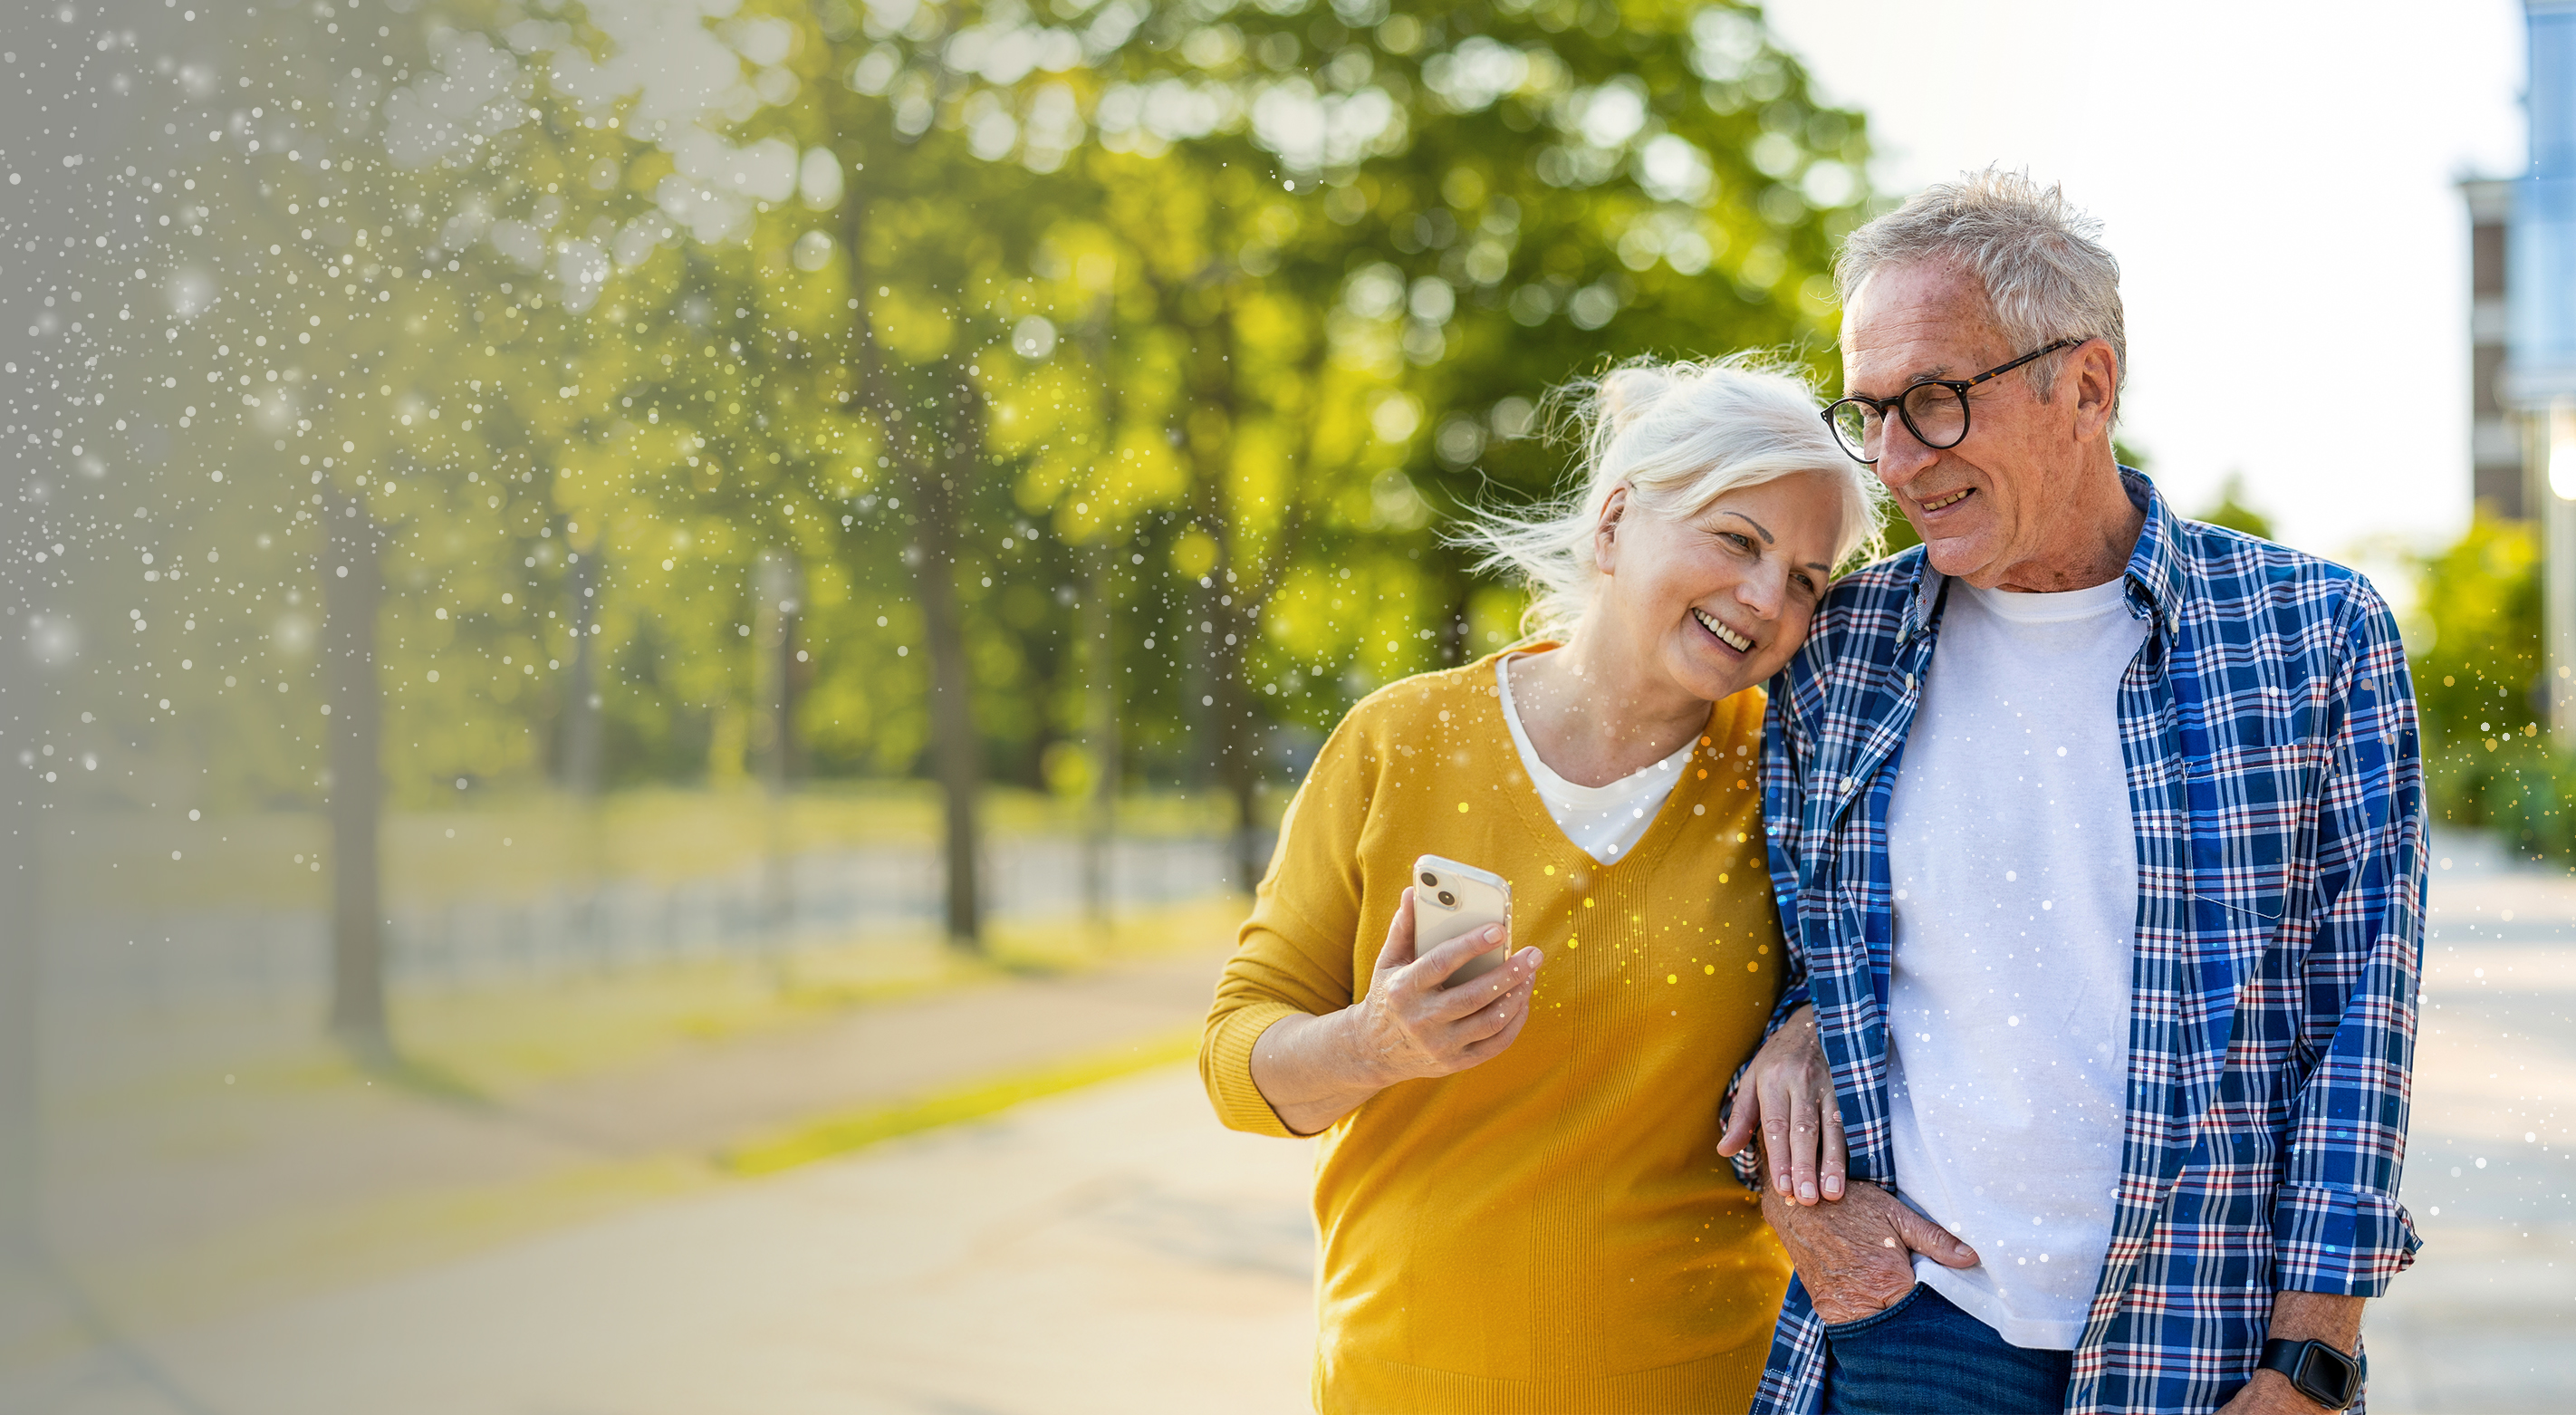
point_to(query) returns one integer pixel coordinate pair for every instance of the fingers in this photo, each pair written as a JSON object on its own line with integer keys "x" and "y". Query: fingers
{"x": 1932, "y": 1240}
{"x": 1506, "y": 1015}
{"x": 1477, "y": 1053}
{"x": 1442, "y": 962}
{"x": 1775, "y": 1093}
{"x": 1440, "y": 1001}
{"x": 1499, "y": 1006}
{"x": 1806, "y": 1123}
{"x": 1741, "y": 1121}
{"x": 1399, "y": 935}
{"x": 1834, "y": 1164}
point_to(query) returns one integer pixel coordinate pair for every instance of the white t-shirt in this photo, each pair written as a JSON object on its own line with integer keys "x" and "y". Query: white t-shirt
{"x": 1606, "y": 821}
{"x": 2014, "y": 870}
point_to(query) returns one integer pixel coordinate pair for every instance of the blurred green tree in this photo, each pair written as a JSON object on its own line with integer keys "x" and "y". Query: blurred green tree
{"x": 2231, "y": 511}
{"x": 1353, "y": 250}
{"x": 2477, "y": 669}
{"x": 1061, "y": 395}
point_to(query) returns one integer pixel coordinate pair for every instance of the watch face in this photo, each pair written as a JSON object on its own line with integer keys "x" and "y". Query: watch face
{"x": 2327, "y": 1376}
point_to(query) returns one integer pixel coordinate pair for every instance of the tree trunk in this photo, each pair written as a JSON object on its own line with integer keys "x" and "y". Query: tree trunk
{"x": 941, "y": 479}
{"x": 1101, "y": 704}
{"x": 578, "y": 748}
{"x": 1100, "y": 728}
{"x": 941, "y": 494}
{"x": 22, "y": 943}
{"x": 1238, "y": 746}
{"x": 351, "y": 588}
{"x": 1457, "y": 637}
{"x": 776, "y": 735}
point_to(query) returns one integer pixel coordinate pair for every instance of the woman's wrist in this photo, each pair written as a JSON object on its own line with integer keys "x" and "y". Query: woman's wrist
{"x": 1361, "y": 1063}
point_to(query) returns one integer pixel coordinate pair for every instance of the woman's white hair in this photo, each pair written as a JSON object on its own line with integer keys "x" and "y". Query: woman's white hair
{"x": 1677, "y": 436}
{"x": 2046, "y": 274}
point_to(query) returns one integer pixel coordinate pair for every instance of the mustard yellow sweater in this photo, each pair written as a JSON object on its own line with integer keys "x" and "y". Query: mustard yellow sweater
{"x": 1552, "y": 1231}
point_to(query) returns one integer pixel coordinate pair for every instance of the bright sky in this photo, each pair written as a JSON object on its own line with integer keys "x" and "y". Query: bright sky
{"x": 2276, "y": 179}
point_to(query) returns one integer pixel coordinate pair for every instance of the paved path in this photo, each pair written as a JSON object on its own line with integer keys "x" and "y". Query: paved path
{"x": 1112, "y": 1250}
{"x": 702, "y": 1098}
{"x": 2486, "y": 1320}
{"x": 219, "y": 1199}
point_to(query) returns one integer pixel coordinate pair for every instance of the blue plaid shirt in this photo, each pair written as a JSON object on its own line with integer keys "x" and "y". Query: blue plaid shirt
{"x": 2275, "y": 785}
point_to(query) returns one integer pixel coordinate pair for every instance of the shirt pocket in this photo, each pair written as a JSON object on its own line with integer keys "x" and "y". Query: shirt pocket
{"x": 2252, "y": 813}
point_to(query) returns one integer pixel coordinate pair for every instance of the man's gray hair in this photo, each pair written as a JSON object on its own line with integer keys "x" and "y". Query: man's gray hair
{"x": 2046, "y": 273}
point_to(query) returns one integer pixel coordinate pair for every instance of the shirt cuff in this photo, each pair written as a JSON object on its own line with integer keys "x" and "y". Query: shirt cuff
{"x": 2337, "y": 1239}
{"x": 1225, "y": 1066}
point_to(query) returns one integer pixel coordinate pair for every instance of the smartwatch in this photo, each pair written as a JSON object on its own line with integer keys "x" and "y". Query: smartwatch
{"x": 2320, "y": 1372}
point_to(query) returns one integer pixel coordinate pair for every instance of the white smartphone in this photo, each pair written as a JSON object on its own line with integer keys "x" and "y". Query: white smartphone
{"x": 1450, "y": 901}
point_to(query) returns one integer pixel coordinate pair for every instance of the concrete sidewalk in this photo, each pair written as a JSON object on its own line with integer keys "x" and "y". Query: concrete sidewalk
{"x": 702, "y": 1099}
{"x": 1113, "y": 1250}
{"x": 208, "y": 1203}
{"x": 1109, "y": 1251}
{"x": 2484, "y": 1321}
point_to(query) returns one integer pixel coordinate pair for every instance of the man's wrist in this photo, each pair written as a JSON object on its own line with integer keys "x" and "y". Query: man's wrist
{"x": 2319, "y": 1373}
{"x": 2276, "y": 1393}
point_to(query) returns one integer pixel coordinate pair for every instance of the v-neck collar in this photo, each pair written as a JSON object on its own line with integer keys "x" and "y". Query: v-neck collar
{"x": 1534, "y": 814}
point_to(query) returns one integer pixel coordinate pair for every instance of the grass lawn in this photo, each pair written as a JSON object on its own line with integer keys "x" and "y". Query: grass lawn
{"x": 511, "y": 847}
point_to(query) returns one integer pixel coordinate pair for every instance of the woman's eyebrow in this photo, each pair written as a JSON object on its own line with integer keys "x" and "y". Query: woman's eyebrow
{"x": 1757, "y": 525}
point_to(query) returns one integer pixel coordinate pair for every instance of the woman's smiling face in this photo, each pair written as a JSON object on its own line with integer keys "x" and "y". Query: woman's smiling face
{"x": 1716, "y": 602}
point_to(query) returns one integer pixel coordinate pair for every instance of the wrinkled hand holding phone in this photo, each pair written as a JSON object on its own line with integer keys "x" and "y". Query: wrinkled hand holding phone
{"x": 1447, "y": 994}
{"x": 1435, "y": 1005}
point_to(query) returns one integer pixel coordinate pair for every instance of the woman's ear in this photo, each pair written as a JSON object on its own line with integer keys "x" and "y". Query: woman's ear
{"x": 1605, "y": 532}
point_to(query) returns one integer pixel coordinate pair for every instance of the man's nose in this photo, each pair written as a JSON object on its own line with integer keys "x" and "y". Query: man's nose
{"x": 1901, "y": 455}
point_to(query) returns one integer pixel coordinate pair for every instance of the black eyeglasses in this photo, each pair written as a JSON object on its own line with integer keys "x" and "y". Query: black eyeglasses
{"x": 1935, "y": 410}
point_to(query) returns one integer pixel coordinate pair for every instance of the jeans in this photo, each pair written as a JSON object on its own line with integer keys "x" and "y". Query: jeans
{"x": 1924, "y": 1356}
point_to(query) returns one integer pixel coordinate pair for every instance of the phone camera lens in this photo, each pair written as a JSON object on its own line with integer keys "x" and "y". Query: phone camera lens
{"x": 1448, "y": 900}
{"x": 1430, "y": 880}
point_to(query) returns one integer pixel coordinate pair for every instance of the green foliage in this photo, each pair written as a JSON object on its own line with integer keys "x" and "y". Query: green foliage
{"x": 2477, "y": 669}
{"x": 2231, "y": 511}
{"x": 1210, "y": 313}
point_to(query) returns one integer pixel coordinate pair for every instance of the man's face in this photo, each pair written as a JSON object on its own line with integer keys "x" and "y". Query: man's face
{"x": 1998, "y": 499}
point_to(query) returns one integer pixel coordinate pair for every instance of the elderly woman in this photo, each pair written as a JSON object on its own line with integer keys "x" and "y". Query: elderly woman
{"x": 1518, "y": 1188}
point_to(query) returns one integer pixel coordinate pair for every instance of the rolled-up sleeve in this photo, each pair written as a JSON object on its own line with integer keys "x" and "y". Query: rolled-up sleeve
{"x": 2337, "y": 1224}
{"x": 1295, "y": 953}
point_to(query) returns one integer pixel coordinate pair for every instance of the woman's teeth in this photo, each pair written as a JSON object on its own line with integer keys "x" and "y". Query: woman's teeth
{"x": 1733, "y": 639}
{"x": 1952, "y": 499}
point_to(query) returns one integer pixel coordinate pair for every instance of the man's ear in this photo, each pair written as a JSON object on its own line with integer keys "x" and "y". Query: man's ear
{"x": 1605, "y": 532}
{"x": 2095, "y": 373}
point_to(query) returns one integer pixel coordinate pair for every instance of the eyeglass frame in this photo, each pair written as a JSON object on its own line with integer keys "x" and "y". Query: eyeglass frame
{"x": 1958, "y": 388}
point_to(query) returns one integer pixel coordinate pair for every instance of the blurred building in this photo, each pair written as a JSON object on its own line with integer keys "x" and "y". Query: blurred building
{"x": 2523, "y": 338}
{"x": 2495, "y": 444}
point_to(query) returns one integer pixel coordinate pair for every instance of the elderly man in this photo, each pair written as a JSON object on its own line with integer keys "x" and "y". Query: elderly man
{"x": 2097, "y": 834}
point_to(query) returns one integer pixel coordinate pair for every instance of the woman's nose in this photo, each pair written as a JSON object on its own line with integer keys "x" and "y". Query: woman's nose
{"x": 1763, "y": 590}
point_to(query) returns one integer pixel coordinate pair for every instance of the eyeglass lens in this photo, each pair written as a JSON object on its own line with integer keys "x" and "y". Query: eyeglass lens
{"x": 1937, "y": 414}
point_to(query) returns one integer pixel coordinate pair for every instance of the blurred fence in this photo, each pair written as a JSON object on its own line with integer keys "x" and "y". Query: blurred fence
{"x": 121, "y": 959}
